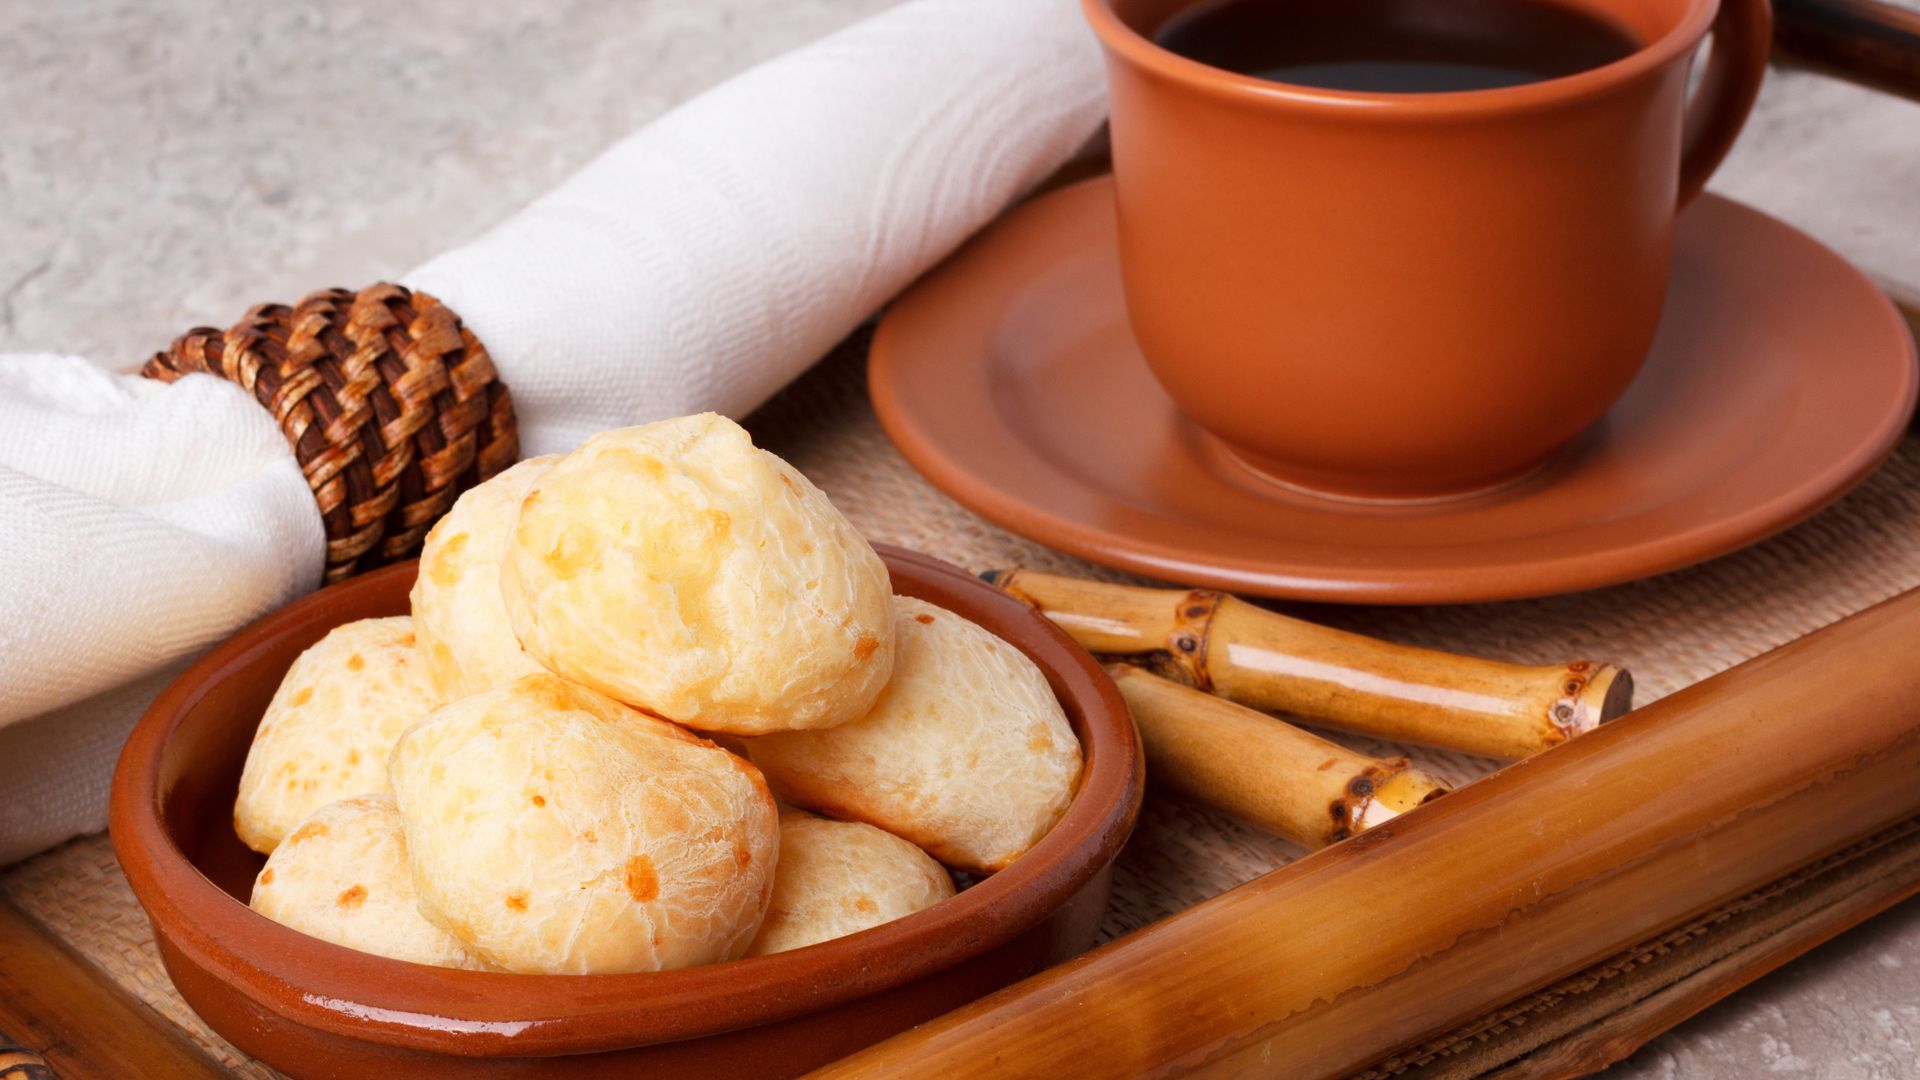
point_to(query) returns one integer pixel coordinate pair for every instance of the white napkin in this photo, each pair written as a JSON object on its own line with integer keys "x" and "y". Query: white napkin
{"x": 701, "y": 263}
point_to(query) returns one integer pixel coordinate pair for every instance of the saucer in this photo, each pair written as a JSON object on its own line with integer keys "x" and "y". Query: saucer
{"x": 1779, "y": 379}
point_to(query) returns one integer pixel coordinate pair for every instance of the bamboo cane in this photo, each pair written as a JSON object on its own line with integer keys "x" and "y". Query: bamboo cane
{"x": 1504, "y": 886}
{"x": 1265, "y": 770}
{"x": 1331, "y": 678}
{"x": 62, "y": 1016}
{"x": 1872, "y": 43}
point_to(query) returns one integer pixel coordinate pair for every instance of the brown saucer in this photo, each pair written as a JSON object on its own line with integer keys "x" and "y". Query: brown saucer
{"x": 1779, "y": 379}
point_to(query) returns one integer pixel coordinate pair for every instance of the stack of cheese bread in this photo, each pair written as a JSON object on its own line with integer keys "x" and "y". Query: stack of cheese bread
{"x": 560, "y": 761}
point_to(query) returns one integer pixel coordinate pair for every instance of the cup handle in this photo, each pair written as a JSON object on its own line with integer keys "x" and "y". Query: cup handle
{"x": 1742, "y": 38}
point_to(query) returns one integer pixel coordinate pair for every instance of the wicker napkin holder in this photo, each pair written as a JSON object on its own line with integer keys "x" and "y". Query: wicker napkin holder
{"x": 389, "y": 402}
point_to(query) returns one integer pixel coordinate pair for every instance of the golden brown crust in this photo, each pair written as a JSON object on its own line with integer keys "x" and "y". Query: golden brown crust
{"x": 840, "y": 877}
{"x": 966, "y": 754}
{"x": 326, "y": 734}
{"x": 343, "y": 877}
{"x": 465, "y": 638}
{"x": 677, "y": 568}
{"x": 554, "y": 830}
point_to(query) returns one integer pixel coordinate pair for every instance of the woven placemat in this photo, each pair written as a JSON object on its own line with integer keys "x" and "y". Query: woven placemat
{"x": 1672, "y": 631}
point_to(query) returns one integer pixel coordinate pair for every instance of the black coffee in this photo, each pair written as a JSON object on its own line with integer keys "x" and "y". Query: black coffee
{"x": 1397, "y": 46}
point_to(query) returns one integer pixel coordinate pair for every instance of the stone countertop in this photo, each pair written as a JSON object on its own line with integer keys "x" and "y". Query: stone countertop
{"x": 162, "y": 167}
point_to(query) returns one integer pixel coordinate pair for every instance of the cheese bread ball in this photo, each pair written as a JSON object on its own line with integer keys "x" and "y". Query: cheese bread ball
{"x": 681, "y": 570}
{"x": 465, "y": 638}
{"x": 342, "y": 877}
{"x": 555, "y": 830}
{"x": 966, "y": 754}
{"x": 327, "y": 731}
{"x": 837, "y": 877}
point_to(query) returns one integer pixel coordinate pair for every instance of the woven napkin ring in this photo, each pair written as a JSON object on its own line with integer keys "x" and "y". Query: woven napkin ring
{"x": 391, "y": 405}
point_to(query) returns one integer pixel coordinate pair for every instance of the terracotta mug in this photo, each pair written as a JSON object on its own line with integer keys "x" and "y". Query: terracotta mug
{"x": 1385, "y": 295}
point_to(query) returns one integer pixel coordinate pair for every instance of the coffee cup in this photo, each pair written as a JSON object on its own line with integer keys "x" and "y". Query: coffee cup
{"x": 1411, "y": 295}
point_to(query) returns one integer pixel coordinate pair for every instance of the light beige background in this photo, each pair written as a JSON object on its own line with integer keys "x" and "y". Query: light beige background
{"x": 164, "y": 165}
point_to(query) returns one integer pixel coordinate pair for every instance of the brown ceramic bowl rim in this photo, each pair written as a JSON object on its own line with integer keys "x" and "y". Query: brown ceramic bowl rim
{"x": 1142, "y": 52}
{"x": 330, "y": 988}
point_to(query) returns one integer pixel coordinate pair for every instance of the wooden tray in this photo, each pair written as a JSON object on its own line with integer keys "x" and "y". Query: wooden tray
{"x": 1672, "y": 630}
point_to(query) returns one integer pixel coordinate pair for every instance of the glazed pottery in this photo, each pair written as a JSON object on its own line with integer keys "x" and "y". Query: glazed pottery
{"x": 314, "y": 1009}
{"x": 1411, "y": 295}
{"x": 1779, "y": 378}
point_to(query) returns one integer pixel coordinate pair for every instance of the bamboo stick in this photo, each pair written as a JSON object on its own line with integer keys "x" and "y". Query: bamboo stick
{"x": 1265, "y": 770}
{"x": 1872, "y": 43}
{"x": 57, "y": 1007}
{"x": 1501, "y": 888}
{"x": 1583, "y": 1038}
{"x": 1330, "y": 678}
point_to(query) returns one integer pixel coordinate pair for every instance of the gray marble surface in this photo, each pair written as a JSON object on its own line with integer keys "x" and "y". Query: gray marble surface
{"x": 164, "y": 165}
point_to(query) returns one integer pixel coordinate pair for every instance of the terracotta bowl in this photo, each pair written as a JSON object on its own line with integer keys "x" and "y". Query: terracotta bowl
{"x": 315, "y": 1009}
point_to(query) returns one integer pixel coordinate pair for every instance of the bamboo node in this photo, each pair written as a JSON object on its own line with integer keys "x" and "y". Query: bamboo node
{"x": 1189, "y": 639}
{"x": 1592, "y": 694}
{"x": 19, "y": 1063}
